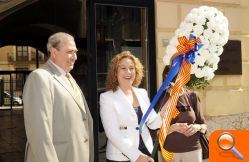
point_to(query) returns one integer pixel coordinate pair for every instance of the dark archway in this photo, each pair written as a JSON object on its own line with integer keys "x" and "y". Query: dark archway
{"x": 34, "y": 35}
{"x": 32, "y": 24}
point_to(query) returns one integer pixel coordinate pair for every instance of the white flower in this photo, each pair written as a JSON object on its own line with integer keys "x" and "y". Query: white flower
{"x": 207, "y": 33}
{"x": 174, "y": 42}
{"x": 208, "y": 73}
{"x": 199, "y": 73}
{"x": 215, "y": 67}
{"x": 166, "y": 59}
{"x": 213, "y": 48}
{"x": 213, "y": 60}
{"x": 199, "y": 60}
{"x": 211, "y": 26}
{"x": 197, "y": 29}
{"x": 214, "y": 38}
{"x": 194, "y": 69}
{"x": 219, "y": 51}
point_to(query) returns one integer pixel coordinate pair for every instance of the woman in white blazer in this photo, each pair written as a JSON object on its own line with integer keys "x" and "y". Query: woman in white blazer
{"x": 121, "y": 110}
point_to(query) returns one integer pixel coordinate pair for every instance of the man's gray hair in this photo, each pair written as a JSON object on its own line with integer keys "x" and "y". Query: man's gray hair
{"x": 57, "y": 38}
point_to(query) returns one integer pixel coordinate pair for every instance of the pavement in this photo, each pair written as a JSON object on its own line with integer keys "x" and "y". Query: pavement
{"x": 13, "y": 137}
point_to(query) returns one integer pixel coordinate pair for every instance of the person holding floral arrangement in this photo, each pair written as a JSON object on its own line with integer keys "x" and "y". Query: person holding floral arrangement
{"x": 183, "y": 137}
{"x": 193, "y": 56}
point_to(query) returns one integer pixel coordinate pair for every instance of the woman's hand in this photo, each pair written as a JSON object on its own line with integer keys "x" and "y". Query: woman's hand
{"x": 144, "y": 158}
{"x": 187, "y": 130}
{"x": 192, "y": 129}
{"x": 178, "y": 127}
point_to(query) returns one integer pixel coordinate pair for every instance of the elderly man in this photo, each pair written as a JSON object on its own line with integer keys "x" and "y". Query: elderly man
{"x": 57, "y": 120}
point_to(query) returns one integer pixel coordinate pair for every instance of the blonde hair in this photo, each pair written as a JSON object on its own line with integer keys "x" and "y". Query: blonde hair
{"x": 112, "y": 80}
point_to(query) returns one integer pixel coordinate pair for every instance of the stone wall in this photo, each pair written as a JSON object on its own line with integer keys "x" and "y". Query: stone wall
{"x": 226, "y": 94}
{"x": 228, "y": 122}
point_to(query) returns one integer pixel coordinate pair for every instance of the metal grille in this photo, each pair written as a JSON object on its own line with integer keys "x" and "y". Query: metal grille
{"x": 11, "y": 86}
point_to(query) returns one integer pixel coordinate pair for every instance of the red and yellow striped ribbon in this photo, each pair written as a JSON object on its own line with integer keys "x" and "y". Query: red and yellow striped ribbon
{"x": 185, "y": 45}
{"x": 169, "y": 110}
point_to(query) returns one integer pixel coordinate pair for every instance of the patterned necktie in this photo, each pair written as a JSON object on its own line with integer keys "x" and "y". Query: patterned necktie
{"x": 76, "y": 90}
{"x": 74, "y": 87}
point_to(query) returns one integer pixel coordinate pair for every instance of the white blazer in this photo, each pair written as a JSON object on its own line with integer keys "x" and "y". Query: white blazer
{"x": 121, "y": 124}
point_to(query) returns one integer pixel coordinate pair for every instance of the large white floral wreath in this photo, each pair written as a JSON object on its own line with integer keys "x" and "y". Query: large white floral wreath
{"x": 211, "y": 26}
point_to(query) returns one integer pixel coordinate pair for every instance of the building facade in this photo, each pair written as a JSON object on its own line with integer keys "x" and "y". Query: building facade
{"x": 103, "y": 28}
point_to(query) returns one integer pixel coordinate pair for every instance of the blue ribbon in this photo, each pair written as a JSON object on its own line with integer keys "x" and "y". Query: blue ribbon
{"x": 174, "y": 69}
